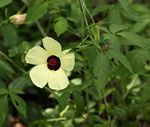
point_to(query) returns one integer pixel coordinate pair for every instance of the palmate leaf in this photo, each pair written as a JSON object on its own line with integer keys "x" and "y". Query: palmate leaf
{"x": 3, "y": 109}
{"x": 101, "y": 70}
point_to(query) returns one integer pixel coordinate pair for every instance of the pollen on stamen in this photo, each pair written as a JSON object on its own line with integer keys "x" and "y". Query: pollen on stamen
{"x": 53, "y": 63}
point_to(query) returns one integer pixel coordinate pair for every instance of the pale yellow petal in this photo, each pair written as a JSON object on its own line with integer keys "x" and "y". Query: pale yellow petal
{"x": 36, "y": 55}
{"x": 39, "y": 75}
{"x": 58, "y": 80}
{"x": 52, "y": 46}
{"x": 67, "y": 60}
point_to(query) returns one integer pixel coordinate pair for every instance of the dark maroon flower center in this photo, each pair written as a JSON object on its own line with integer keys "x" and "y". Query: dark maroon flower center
{"x": 53, "y": 63}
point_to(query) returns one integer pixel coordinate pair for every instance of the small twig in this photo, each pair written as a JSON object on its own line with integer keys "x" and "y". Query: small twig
{"x": 57, "y": 119}
{"x": 83, "y": 13}
{"x": 40, "y": 28}
{"x": 106, "y": 104}
{"x": 49, "y": 90}
{"x": 82, "y": 41}
{"x": 12, "y": 62}
{"x": 22, "y": 9}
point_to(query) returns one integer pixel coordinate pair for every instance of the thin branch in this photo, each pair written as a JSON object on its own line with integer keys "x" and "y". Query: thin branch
{"x": 12, "y": 62}
{"x": 43, "y": 33}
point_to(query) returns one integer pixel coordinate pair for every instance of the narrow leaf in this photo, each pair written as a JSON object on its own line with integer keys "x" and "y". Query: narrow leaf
{"x": 4, "y": 2}
{"x": 138, "y": 58}
{"x": 134, "y": 39}
{"x": 79, "y": 101}
{"x": 3, "y": 91}
{"x": 119, "y": 56}
{"x": 19, "y": 104}
{"x": 129, "y": 12}
{"x": 101, "y": 70}
{"x": 63, "y": 100}
{"x": 113, "y": 41}
{"x": 114, "y": 28}
{"x": 16, "y": 91}
{"x": 3, "y": 109}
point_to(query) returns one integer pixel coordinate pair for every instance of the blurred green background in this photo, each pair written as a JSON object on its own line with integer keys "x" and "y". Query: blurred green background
{"x": 110, "y": 83}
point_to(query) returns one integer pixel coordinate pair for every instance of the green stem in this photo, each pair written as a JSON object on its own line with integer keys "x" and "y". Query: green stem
{"x": 49, "y": 90}
{"x": 83, "y": 7}
{"x": 57, "y": 119}
{"x": 12, "y": 62}
{"x": 78, "y": 46}
{"x": 48, "y": 120}
{"x": 40, "y": 28}
{"x": 87, "y": 102}
{"x": 83, "y": 13}
{"x": 106, "y": 105}
{"x": 22, "y": 9}
{"x": 89, "y": 13}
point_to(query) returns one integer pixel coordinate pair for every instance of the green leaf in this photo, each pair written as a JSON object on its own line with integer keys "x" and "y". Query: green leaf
{"x": 20, "y": 83}
{"x": 119, "y": 56}
{"x": 114, "y": 28}
{"x": 95, "y": 29}
{"x": 19, "y": 49}
{"x": 6, "y": 66}
{"x": 60, "y": 26}
{"x": 114, "y": 15}
{"x": 3, "y": 91}
{"x": 16, "y": 91}
{"x": 100, "y": 9}
{"x": 134, "y": 39}
{"x": 19, "y": 104}
{"x": 4, "y": 3}
{"x": 36, "y": 11}
{"x": 89, "y": 55}
{"x": 9, "y": 32}
{"x": 68, "y": 123}
{"x": 129, "y": 12}
{"x": 101, "y": 70}
{"x": 138, "y": 58}
{"x": 6, "y": 70}
{"x": 140, "y": 25}
{"x": 144, "y": 93}
{"x": 30, "y": 2}
{"x": 63, "y": 100}
{"x": 3, "y": 109}
{"x": 75, "y": 13}
{"x": 113, "y": 41}
{"x": 79, "y": 101}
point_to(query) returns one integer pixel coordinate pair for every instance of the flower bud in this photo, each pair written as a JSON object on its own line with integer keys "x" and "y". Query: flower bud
{"x": 18, "y": 19}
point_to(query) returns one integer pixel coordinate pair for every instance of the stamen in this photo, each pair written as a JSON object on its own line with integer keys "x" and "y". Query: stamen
{"x": 53, "y": 62}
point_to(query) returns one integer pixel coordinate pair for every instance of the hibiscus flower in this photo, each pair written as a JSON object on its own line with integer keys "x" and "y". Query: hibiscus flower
{"x": 52, "y": 64}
